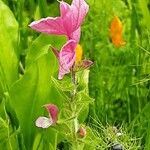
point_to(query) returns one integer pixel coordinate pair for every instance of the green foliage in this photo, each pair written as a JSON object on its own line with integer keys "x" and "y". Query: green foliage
{"x": 119, "y": 80}
{"x": 33, "y": 89}
{"x": 8, "y": 50}
{"x": 145, "y": 12}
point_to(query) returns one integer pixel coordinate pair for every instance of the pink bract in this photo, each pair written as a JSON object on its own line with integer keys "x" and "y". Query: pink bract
{"x": 68, "y": 23}
{"x": 53, "y": 111}
{"x": 66, "y": 57}
{"x": 86, "y": 64}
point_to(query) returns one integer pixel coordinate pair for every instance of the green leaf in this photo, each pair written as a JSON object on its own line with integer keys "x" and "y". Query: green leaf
{"x": 37, "y": 141}
{"x": 91, "y": 141}
{"x": 83, "y": 101}
{"x": 3, "y": 130}
{"x": 83, "y": 80}
{"x": 41, "y": 46}
{"x": 46, "y": 140}
{"x": 146, "y": 14}
{"x": 82, "y": 97}
{"x": 9, "y": 135}
{"x": 8, "y": 49}
{"x": 34, "y": 89}
{"x": 64, "y": 85}
{"x": 5, "y": 139}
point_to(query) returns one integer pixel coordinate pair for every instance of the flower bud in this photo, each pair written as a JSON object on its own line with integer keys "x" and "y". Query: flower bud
{"x": 82, "y": 132}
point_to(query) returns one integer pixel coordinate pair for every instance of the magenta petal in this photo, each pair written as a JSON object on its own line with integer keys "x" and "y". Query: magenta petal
{"x": 74, "y": 17}
{"x": 53, "y": 112}
{"x": 64, "y": 8}
{"x": 82, "y": 10}
{"x": 43, "y": 122}
{"x": 76, "y": 35}
{"x": 67, "y": 24}
{"x": 66, "y": 58}
{"x": 79, "y": 11}
{"x": 49, "y": 25}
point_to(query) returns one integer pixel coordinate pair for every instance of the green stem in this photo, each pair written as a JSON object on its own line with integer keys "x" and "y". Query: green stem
{"x": 128, "y": 103}
{"x": 73, "y": 109}
{"x": 8, "y": 134}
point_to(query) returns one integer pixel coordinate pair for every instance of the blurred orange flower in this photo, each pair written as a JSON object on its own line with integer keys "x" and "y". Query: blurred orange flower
{"x": 116, "y": 31}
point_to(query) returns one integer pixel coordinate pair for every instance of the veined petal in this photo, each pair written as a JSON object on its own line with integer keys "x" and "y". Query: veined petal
{"x": 49, "y": 25}
{"x": 76, "y": 35}
{"x": 67, "y": 24}
{"x": 66, "y": 58}
{"x": 79, "y": 9}
{"x": 75, "y": 16}
{"x": 43, "y": 122}
{"x": 64, "y": 8}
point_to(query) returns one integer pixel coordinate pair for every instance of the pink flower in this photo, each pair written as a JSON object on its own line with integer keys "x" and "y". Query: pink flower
{"x": 66, "y": 57}
{"x": 44, "y": 122}
{"x": 68, "y": 23}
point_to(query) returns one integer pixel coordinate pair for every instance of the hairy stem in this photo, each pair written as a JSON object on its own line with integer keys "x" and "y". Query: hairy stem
{"x": 73, "y": 109}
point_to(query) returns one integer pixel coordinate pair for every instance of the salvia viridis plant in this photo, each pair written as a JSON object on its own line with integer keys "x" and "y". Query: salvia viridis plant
{"x": 74, "y": 75}
{"x": 70, "y": 62}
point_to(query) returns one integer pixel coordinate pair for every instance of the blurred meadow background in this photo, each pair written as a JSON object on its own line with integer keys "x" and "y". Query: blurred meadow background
{"x": 119, "y": 80}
